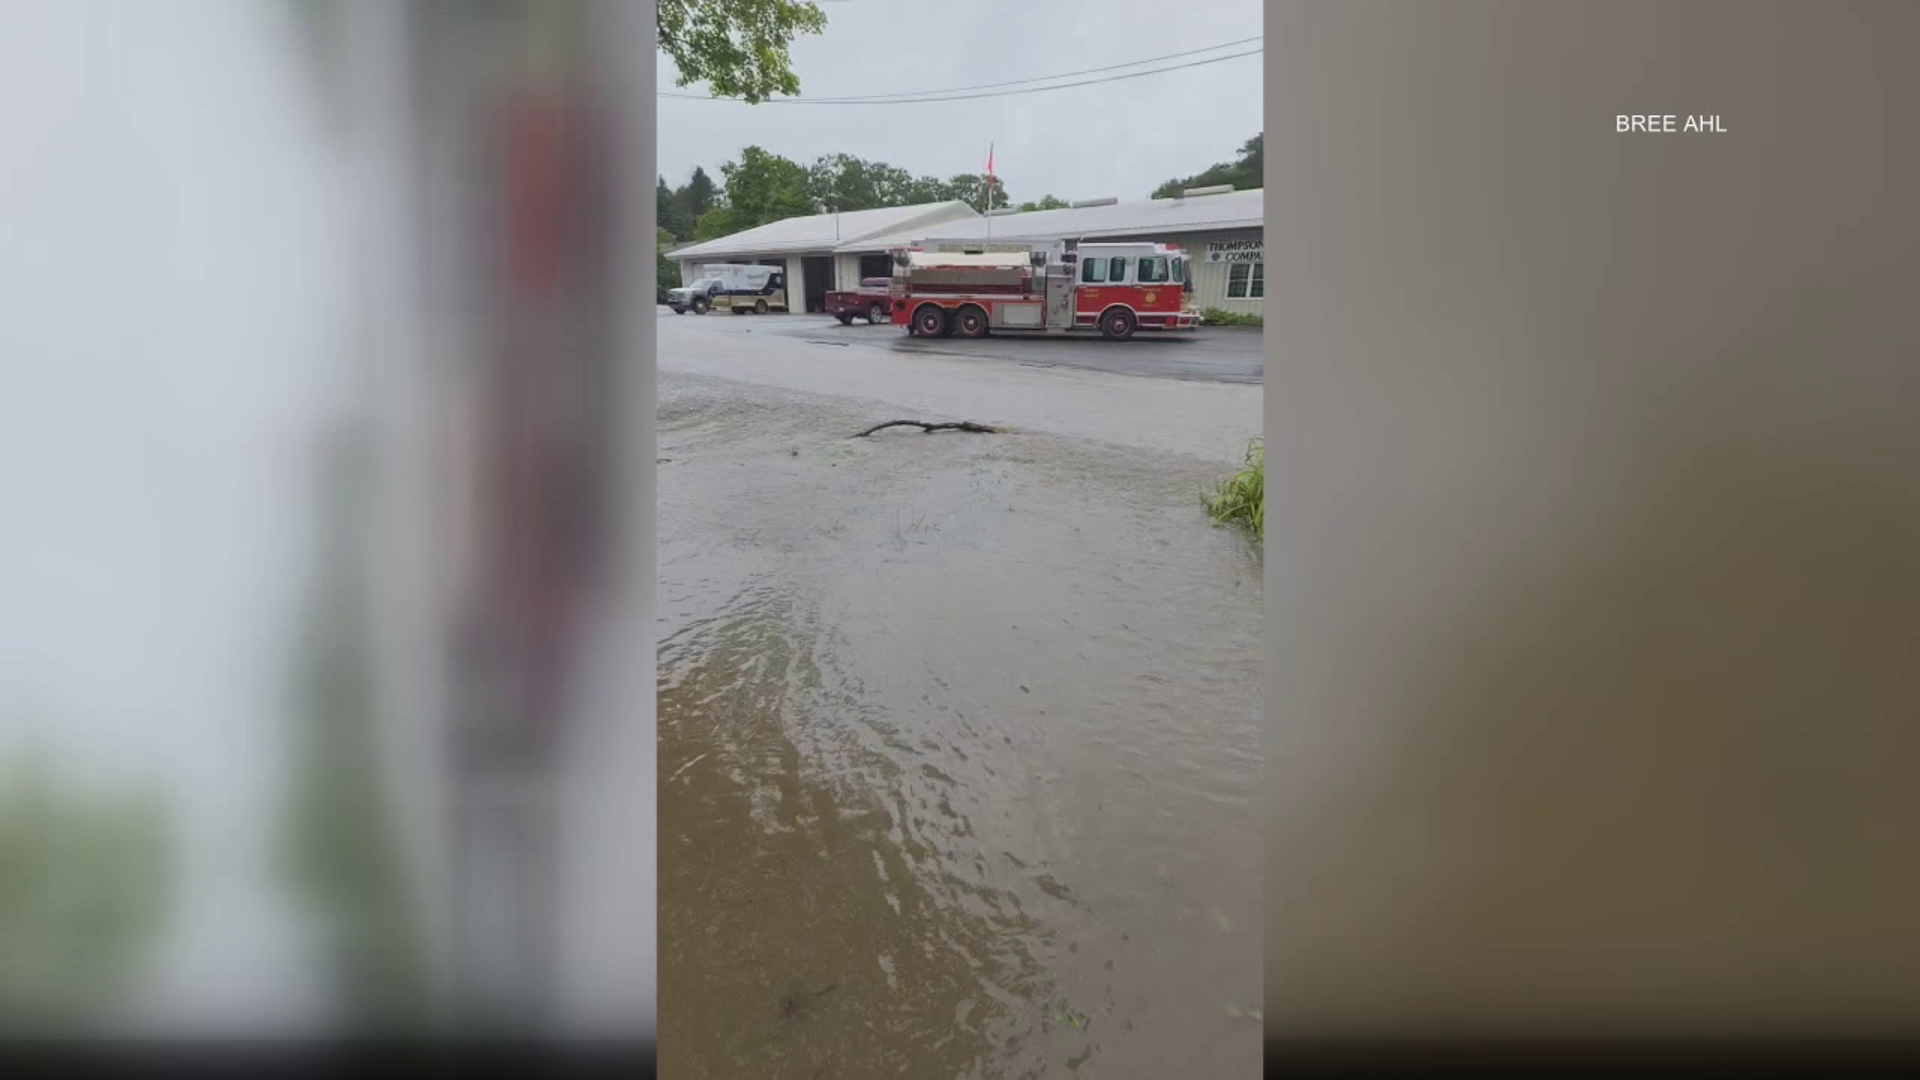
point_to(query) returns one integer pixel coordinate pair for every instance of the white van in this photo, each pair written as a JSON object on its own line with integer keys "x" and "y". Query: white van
{"x": 736, "y": 287}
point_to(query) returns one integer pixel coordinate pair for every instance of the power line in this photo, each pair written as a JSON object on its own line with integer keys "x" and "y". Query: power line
{"x": 1022, "y": 82}
{"x": 898, "y": 100}
{"x": 971, "y": 97}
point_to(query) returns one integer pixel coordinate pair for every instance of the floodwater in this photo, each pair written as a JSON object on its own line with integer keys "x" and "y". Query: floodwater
{"x": 959, "y": 749}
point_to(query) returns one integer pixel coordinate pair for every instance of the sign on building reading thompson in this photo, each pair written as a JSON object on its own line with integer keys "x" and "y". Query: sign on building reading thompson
{"x": 1236, "y": 251}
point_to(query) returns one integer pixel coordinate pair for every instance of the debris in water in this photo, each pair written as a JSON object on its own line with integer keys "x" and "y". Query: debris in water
{"x": 926, "y": 428}
{"x": 795, "y": 1000}
{"x": 1064, "y": 1015}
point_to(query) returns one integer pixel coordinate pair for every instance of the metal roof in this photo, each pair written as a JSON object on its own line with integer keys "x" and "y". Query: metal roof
{"x": 1158, "y": 217}
{"x": 819, "y": 232}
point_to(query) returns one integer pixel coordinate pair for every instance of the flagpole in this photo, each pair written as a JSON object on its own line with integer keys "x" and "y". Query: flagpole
{"x": 989, "y": 199}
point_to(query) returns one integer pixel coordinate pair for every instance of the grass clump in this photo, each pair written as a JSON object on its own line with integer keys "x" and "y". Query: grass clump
{"x": 1214, "y": 316}
{"x": 1242, "y": 499}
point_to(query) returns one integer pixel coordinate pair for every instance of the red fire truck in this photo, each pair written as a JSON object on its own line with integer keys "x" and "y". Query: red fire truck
{"x": 971, "y": 289}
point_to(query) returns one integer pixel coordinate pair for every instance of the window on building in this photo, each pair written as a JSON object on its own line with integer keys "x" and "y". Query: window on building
{"x": 1153, "y": 270}
{"x": 1093, "y": 271}
{"x": 1246, "y": 281}
{"x": 1117, "y": 272}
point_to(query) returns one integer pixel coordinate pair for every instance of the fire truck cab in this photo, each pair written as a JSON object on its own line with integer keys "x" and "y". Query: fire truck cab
{"x": 972, "y": 289}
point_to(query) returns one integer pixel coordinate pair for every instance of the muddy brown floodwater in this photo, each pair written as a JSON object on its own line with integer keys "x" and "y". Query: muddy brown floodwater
{"x": 959, "y": 745}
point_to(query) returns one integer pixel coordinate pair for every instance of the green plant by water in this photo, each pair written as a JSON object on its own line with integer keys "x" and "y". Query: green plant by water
{"x": 1241, "y": 500}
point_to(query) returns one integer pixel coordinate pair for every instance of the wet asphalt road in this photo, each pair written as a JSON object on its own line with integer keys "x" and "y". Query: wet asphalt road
{"x": 1217, "y": 354}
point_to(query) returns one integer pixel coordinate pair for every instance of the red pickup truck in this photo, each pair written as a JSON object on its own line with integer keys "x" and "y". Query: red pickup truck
{"x": 870, "y": 302}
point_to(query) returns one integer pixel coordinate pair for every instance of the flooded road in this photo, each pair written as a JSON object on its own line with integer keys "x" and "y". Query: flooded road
{"x": 959, "y": 750}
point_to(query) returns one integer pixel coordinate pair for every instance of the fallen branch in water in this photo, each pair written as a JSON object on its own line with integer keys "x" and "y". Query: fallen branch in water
{"x": 962, "y": 425}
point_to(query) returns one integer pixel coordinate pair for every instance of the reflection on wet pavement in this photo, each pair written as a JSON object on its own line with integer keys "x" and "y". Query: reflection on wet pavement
{"x": 958, "y": 752}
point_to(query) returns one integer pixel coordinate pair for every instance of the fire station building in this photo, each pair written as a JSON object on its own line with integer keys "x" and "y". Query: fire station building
{"x": 1221, "y": 229}
{"x": 807, "y": 248}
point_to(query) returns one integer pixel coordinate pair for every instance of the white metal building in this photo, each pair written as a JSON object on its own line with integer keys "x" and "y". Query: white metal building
{"x": 806, "y": 247}
{"x": 1223, "y": 231}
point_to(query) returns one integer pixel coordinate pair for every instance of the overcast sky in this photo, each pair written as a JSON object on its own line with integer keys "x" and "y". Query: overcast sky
{"x": 1115, "y": 138}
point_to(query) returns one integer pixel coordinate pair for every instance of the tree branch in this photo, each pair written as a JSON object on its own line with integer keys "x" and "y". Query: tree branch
{"x": 962, "y": 425}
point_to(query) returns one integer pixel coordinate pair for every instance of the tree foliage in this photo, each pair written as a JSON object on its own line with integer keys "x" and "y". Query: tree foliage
{"x": 1046, "y": 202}
{"x": 739, "y": 48}
{"x": 971, "y": 188}
{"x": 762, "y": 186}
{"x": 846, "y": 183}
{"x": 700, "y": 193}
{"x": 1245, "y": 171}
{"x": 716, "y": 223}
{"x": 680, "y": 208}
{"x": 675, "y": 216}
{"x": 667, "y": 268}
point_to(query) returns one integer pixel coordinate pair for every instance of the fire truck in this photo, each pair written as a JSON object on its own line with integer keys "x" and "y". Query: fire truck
{"x": 971, "y": 289}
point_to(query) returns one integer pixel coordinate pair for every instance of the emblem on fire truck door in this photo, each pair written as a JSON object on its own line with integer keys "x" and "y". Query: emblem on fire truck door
{"x": 1148, "y": 298}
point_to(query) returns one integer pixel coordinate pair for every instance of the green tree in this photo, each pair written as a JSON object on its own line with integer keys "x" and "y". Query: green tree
{"x": 1047, "y": 202}
{"x": 678, "y": 219}
{"x": 738, "y": 47}
{"x": 971, "y": 188}
{"x": 716, "y": 223}
{"x": 1246, "y": 171}
{"x": 844, "y": 182}
{"x": 763, "y": 186}
{"x": 680, "y": 208}
{"x": 700, "y": 193}
{"x": 926, "y": 189}
{"x": 668, "y": 269}
{"x": 670, "y": 210}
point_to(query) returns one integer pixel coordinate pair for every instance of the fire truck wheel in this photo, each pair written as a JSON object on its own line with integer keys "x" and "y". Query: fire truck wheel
{"x": 1117, "y": 324}
{"x": 759, "y": 307}
{"x": 970, "y": 322}
{"x": 930, "y": 321}
{"x": 876, "y": 314}
{"x": 845, "y": 319}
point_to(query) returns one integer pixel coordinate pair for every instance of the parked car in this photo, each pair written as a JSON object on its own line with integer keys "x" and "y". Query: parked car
{"x": 872, "y": 301}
